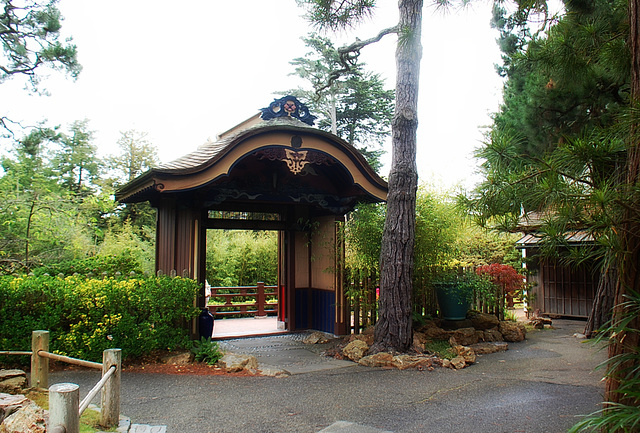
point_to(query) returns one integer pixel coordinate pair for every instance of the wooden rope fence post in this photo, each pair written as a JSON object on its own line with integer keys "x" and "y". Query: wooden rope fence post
{"x": 110, "y": 414}
{"x": 39, "y": 364}
{"x": 64, "y": 399}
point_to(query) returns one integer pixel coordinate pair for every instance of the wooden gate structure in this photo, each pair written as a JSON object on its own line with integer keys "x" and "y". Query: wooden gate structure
{"x": 274, "y": 171}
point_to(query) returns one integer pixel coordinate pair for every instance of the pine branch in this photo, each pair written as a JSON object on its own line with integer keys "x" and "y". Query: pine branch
{"x": 349, "y": 56}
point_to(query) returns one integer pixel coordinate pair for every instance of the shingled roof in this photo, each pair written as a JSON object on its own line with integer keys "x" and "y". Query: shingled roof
{"x": 198, "y": 166}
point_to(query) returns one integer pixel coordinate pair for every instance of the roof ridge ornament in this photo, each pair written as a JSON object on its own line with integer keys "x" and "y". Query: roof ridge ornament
{"x": 288, "y": 106}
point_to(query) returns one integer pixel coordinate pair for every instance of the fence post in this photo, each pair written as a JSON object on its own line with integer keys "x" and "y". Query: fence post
{"x": 110, "y": 413}
{"x": 64, "y": 399}
{"x": 261, "y": 300}
{"x": 39, "y": 364}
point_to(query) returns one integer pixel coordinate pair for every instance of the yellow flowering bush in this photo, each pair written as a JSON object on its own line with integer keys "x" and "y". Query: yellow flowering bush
{"x": 88, "y": 315}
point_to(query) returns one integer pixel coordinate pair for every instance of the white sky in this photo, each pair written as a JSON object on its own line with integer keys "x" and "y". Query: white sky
{"x": 184, "y": 72}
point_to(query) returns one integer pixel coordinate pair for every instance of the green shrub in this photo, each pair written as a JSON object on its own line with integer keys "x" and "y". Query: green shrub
{"x": 97, "y": 265}
{"x": 86, "y": 316}
{"x": 206, "y": 350}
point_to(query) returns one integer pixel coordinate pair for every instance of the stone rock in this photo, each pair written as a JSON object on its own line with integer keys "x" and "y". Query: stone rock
{"x": 483, "y": 321}
{"x": 403, "y": 362}
{"x": 233, "y": 363}
{"x": 467, "y": 353}
{"x": 355, "y": 350}
{"x": 316, "y": 337}
{"x": 12, "y": 381}
{"x": 446, "y": 363}
{"x": 489, "y": 347}
{"x": 182, "y": 358}
{"x": 464, "y": 337}
{"x": 437, "y": 333}
{"x": 458, "y": 363}
{"x": 419, "y": 340}
{"x": 428, "y": 324}
{"x": 274, "y": 372}
{"x": 456, "y": 324}
{"x": 512, "y": 331}
{"x": 367, "y": 338}
{"x": 26, "y": 417}
{"x": 492, "y": 335}
{"x": 380, "y": 359}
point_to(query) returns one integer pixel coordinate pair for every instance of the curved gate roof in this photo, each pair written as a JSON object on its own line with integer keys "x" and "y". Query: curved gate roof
{"x": 274, "y": 162}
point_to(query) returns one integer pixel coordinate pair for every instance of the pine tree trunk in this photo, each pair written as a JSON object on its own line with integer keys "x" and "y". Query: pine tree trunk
{"x": 603, "y": 302}
{"x": 628, "y": 341}
{"x": 393, "y": 330}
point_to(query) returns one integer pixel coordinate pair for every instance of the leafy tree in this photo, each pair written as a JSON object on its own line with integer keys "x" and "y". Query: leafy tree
{"x": 136, "y": 156}
{"x": 77, "y": 164}
{"x": 354, "y": 106}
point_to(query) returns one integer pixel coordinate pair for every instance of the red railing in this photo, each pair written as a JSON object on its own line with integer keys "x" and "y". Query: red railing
{"x": 238, "y": 301}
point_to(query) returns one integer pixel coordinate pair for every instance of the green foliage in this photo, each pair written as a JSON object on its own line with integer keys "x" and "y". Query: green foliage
{"x": 86, "y": 316}
{"x": 206, "y": 350}
{"x": 337, "y": 15}
{"x": 363, "y": 236}
{"x": 623, "y": 416}
{"x": 352, "y": 104}
{"x": 241, "y": 258}
{"x": 123, "y": 263}
{"x": 30, "y": 32}
{"x": 441, "y": 348}
{"x": 135, "y": 243}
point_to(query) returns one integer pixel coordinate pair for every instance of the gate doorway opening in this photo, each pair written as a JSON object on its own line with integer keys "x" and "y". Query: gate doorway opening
{"x": 242, "y": 277}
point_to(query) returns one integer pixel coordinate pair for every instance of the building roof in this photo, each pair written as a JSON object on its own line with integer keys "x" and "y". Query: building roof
{"x": 319, "y": 154}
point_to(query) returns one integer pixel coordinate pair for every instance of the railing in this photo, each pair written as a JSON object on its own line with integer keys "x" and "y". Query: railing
{"x": 65, "y": 407}
{"x": 237, "y": 303}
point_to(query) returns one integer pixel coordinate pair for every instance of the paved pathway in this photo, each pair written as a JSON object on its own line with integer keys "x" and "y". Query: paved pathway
{"x": 538, "y": 386}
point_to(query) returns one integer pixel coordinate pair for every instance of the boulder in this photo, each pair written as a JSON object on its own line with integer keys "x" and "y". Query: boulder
{"x": 419, "y": 340}
{"x": 380, "y": 359}
{"x": 316, "y": 337}
{"x": 492, "y": 335}
{"x": 467, "y": 353}
{"x": 403, "y": 362}
{"x": 367, "y": 338}
{"x": 12, "y": 381}
{"x": 512, "y": 331}
{"x": 464, "y": 337}
{"x": 458, "y": 363}
{"x": 21, "y": 415}
{"x": 233, "y": 363}
{"x": 489, "y": 347}
{"x": 355, "y": 350}
{"x": 428, "y": 324}
{"x": 483, "y": 321}
{"x": 436, "y": 333}
{"x": 182, "y": 358}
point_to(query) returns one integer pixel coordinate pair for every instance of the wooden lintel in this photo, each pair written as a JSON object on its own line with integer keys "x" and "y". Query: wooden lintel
{"x": 217, "y": 223}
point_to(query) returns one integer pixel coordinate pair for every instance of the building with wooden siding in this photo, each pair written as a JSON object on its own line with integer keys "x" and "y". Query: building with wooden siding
{"x": 559, "y": 289}
{"x": 272, "y": 172}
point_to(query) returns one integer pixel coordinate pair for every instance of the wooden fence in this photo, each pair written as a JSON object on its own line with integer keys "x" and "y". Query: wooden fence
{"x": 65, "y": 407}
{"x": 362, "y": 296}
{"x": 244, "y": 301}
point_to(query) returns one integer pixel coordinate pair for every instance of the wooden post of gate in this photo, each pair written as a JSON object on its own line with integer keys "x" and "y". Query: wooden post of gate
{"x": 39, "y": 364}
{"x": 261, "y": 300}
{"x": 64, "y": 399}
{"x": 110, "y": 413}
